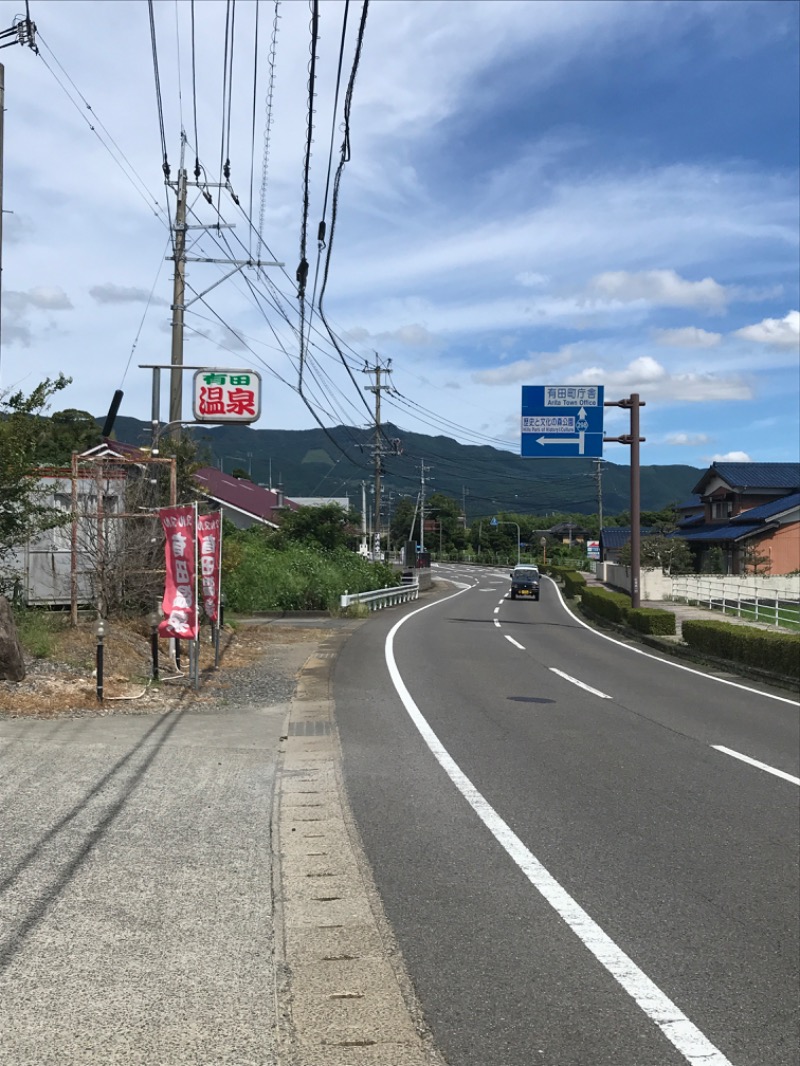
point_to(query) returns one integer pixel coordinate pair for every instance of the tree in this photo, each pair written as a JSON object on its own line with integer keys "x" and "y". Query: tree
{"x": 329, "y": 526}
{"x": 403, "y": 522}
{"x": 67, "y": 432}
{"x": 669, "y": 554}
{"x": 714, "y": 561}
{"x": 25, "y": 508}
{"x": 755, "y": 560}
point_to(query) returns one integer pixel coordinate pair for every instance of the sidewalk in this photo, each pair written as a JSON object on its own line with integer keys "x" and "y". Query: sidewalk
{"x": 684, "y": 611}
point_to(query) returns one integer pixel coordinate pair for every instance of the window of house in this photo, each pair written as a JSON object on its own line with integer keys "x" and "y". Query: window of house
{"x": 721, "y": 508}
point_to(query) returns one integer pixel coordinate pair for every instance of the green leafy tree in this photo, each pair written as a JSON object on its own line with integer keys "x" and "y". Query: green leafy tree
{"x": 755, "y": 560}
{"x": 660, "y": 552}
{"x": 402, "y": 521}
{"x": 66, "y": 432}
{"x": 25, "y": 508}
{"x": 329, "y": 526}
{"x": 714, "y": 561}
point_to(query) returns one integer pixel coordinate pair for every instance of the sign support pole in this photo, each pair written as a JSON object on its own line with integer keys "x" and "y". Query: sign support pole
{"x": 633, "y": 403}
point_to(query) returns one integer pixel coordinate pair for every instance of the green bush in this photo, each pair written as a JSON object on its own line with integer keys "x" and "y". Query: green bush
{"x": 613, "y": 606}
{"x": 297, "y": 577}
{"x": 651, "y": 620}
{"x": 574, "y": 583}
{"x": 778, "y": 653}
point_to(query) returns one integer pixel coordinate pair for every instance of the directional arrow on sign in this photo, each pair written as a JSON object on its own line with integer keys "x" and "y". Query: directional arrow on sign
{"x": 579, "y": 440}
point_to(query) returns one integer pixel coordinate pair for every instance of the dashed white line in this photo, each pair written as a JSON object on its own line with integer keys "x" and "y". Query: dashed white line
{"x": 497, "y": 623}
{"x": 582, "y": 684}
{"x": 755, "y": 762}
{"x": 514, "y": 642}
{"x": 497, "y": 610}
{"x": 682, "y": 1033}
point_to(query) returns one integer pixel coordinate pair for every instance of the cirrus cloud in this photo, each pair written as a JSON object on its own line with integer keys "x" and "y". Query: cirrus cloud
{"x": 687, "y": 337}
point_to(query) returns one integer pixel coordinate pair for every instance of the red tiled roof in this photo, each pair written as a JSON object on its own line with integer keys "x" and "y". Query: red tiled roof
{"x": 243, "y": 495}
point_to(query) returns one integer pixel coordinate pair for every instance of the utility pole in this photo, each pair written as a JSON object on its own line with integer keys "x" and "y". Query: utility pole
{"x": 179, "y": 302}
{"x": 598, "y": 476}
{"x": 378, "y": 450}
{"x": 633, "y": 404}
{"x": 23, "y": 32}
{"x": 423, "y": 470}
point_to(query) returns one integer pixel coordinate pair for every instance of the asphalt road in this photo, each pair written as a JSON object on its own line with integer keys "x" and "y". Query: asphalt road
{"x": 575, "y": 873}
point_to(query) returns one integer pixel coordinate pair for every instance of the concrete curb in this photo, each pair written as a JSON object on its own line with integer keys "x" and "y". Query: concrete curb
{"x": 344, "y": 997}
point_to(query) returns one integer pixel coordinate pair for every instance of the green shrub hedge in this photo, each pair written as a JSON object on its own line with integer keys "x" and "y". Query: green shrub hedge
{"x": 573, "y": 580}
{"x": 776, "y": 652}
{"x": 611, "y": 605}
{"x": 651, "y": 620}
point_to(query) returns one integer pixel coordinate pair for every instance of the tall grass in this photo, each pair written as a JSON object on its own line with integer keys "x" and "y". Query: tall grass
{"x": 38, "y": 630}
{"x": 258, "y": 577}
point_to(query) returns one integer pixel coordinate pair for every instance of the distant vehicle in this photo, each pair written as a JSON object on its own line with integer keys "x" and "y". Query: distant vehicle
{"x": 525, "y": 582}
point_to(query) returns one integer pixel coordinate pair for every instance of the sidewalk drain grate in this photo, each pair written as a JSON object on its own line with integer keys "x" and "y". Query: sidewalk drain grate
{"x": 309, "y": 729}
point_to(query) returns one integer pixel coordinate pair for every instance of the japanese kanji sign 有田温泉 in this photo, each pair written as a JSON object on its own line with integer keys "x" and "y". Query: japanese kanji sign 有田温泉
{"x": 227, "y": 396}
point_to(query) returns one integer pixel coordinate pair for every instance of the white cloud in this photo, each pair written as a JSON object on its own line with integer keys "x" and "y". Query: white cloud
{"x": 124, "y": 294}
{"x": 687, "y": 337}
{"x": 661, "y": 288}
{"x": 732, "y": 457}
{"x": 531, "y": 280}
{"x": 775, "y": 332}
{"x": 41, "y": 297}
{"x": 688, "y": 440}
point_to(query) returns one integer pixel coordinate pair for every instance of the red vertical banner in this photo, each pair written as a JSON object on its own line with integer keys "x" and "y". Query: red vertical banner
{"x": 209, "y": 544}
{"x": 180, "y": 601}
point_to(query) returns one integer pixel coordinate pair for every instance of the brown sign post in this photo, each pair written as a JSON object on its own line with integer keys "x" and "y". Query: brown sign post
{"x": 632, "y": 403}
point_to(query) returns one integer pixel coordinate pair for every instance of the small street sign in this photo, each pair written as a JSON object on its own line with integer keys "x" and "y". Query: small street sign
{"x": 562, "y": 421}
{"x": 227, "y": 395}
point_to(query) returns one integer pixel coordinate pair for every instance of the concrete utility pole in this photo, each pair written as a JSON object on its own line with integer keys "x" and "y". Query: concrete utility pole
{"x": 423, "y": 470}
{"x": 598, "y": 476}
{"x": 23, "y": 32}
{"x": 378, "y": 450}
{"x": 179, "y": 302}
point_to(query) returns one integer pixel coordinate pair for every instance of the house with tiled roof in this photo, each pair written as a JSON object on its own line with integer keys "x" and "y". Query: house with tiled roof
{"x": 750, "y": 510}
{"x": 243, "y": 502}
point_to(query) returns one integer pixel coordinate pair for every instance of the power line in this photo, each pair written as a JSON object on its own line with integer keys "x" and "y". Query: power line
{"x": 302, "y": 269}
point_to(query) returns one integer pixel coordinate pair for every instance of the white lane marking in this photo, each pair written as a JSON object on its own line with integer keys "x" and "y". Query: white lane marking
{"x": 497, "y": 610}
{"x": 512, "y": 641}
{"x": 497, "y": 623}
{"x": 755, "y": 762}
{"x": 695, "y": 1047}
{"x": 581, "y": 684}
{"x": 669, "y": 662}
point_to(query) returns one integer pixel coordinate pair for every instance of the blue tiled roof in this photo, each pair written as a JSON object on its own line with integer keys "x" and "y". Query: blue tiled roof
{"x": 617, "y": 536}
{"x": 755, "y": 475}
{"x": 715, "y": 533}
{"x": 690, "y": 505}
{"x": 768, "y": 510}
{"x": 692, "y": 520}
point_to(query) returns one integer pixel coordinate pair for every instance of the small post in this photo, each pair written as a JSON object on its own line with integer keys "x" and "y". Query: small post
{"x": 177, "y": 654}
{"x": 101, "y": 632}
{"x": 216, "y": 646}
{"x": 154, "y": 619}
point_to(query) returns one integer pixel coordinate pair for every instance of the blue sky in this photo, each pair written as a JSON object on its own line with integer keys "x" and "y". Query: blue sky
{"x": 537, "y": 194}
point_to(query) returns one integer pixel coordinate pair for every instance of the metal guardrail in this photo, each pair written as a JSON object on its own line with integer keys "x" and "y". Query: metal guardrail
{"x": 380, "y": 598}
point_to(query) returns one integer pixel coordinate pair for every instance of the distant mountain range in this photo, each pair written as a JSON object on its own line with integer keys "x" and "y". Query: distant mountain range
{"x": 316, "y": 462}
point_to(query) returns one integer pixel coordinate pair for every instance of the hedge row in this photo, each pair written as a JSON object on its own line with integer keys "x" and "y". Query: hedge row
{"x": 573, "y": 580}
{"x": 651, "y": 620}
{"x": 616, "y": 607}
{"x": 613, "y": 606}
{"x": 776, "y": 652}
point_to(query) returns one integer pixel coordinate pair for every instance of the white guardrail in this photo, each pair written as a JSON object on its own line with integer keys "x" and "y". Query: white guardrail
{"x": 379, "y": 598}
{"x": 746, "y": 599}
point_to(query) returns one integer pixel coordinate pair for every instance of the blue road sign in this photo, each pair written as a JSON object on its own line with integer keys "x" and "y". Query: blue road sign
{"x": 562, "y": 421}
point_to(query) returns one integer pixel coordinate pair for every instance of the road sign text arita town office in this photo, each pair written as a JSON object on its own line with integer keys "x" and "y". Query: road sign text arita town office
{"x": 563, "y": 421}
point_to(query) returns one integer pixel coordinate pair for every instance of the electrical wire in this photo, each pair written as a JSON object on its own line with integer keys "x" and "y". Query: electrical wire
{"x": 180, "y": 70}
{"x": 302, "y": 270}
{"x": 253, "y": 130}
{"x": 267, "y": 128}
{"x": 146, "y": 309}
{"x": 194, "y": 100}
{"x": 120, "y": 158}
{"x": 159, "y": 103}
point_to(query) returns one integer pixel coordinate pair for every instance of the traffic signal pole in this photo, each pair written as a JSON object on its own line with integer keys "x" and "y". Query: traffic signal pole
{"x": 632, "y": 439}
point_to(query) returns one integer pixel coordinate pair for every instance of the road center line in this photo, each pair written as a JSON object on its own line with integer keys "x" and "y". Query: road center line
{"x": 581, "y": 684}
{"x": 497, "y": 623}
{"x": 497, "y": 610}
{"x": 512, "y": 641}
{"x": 695, "y": 1047}
{"x": 755, "y": 762}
